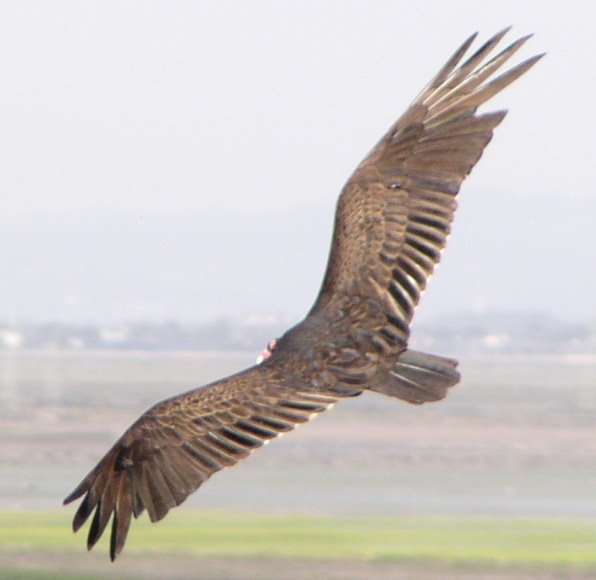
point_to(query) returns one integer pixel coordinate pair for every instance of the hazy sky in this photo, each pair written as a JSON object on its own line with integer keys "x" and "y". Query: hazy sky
{"x": 185, "y": 108}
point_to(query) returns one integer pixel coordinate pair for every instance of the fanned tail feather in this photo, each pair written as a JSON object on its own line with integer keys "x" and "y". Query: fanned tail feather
{"x": 419, "y": 377}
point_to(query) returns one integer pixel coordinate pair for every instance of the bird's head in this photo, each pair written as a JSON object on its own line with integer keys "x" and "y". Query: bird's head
{"x": 268, "y": 351}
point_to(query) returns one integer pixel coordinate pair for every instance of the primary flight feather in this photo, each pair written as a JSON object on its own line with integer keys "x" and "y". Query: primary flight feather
{"x": 392, "y": 221}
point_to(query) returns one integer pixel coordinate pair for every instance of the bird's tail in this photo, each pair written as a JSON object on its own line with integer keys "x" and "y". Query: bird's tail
{"x": 418, "y": 377}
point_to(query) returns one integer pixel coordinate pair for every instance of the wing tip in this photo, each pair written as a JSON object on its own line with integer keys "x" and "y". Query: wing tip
{"x": 495, "y": 39}
{"x": 75, "y": 494}
{"x": 471, "y": 39}
{"x": 534, "y": 59}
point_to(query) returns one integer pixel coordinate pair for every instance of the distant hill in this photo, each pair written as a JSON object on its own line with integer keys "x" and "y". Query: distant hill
{"x": 457, "y": 335}
{"x": 524, "y": 254}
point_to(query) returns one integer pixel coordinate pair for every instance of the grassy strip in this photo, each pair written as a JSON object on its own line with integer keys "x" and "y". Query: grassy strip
{"x": 459, "y": 540}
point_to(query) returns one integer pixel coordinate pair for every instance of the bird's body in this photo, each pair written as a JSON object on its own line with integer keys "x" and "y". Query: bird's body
{"x": 392, "y": 221}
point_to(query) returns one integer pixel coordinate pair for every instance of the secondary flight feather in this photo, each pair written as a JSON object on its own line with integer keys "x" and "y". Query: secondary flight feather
{"x": 392, "y": 221}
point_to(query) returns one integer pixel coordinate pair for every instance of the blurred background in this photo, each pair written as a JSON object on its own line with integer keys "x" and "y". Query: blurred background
{"x": 169, "y": 178}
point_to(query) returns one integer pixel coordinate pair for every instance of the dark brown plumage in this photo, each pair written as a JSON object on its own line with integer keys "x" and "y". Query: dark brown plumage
{"x": 392, "y": 221}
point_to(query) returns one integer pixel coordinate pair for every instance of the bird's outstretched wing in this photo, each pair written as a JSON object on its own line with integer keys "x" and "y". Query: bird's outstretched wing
{"x": 393, "y": 215}
{"x": 392, "y": 221}
{"x": 178, "y": 444}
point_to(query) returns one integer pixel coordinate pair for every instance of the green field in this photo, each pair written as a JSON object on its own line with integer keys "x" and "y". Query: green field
{"x": 457, "y": 542}
{"x": 505, "y": 466}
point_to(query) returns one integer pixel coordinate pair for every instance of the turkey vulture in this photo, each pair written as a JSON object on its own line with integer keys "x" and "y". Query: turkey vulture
{"x": 392, "y": 221}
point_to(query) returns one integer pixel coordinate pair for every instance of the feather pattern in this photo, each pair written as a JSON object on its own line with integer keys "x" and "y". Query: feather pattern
{"x": 392, "y": 222}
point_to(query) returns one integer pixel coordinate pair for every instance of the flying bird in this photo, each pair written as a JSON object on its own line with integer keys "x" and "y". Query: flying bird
{"x": 392, "y": 221}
